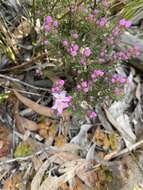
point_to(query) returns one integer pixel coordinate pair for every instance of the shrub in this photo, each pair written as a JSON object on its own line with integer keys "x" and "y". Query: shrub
{"x": 85, "y": 40}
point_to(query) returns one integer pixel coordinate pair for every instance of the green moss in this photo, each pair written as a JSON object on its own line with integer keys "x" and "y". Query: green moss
{"x": 22, "y": 150}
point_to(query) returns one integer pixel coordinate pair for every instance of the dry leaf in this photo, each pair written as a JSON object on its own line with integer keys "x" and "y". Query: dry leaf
{"x": 4, "y": 132}
{"x": 35, "y": 184}
{"x": 22, "y": 30}
{"x": 123, "y": 126}
{"x": 35, "y": 106}
{"x": 14, "y": 183}
{"x": 102, "y": 139}
{"x": 62, "y": 157}
{"x": 60, "y": 141}
{"x": 4, "y": 148}
{"x": 23, "y": 123}
{"x": 9, "y": 185}
{"x": 47, "y": 130}
{"x": 89, "y": 178}
{"x": 36, "y": 162}
{"x": 138, "y": 92}
{"x": 65, "y": 186}
{"x": 137, "y": 188}
{"x": 79, "y": 185}
{"x": 73, "y": 148}
{"x": 5, "y": 140}
{"x": 70, "y": 172}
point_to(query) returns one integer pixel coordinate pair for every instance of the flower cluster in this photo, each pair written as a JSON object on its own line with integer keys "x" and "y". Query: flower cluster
{"x": 97, "y": 73}
{"x": 58, "y": 87}
{"x": 118, "y": 91}
{"x": 119, "y": 79}
{"x": 49, "y": 23}
{"x": 106, "y": 4}
{"x": 125, "y": 23}
{"x": 74, "y": 50}
{"x": 92, "y": 17}
{"x": 128, "y": 54}
{"x": 122, "y": 25}
{"x": 102, "y": 22}
{"x": 135, "y": 52}
{"x": 88, "y": 49}
{"x": 87, "y": 52}
{"x": 84, "y": 86}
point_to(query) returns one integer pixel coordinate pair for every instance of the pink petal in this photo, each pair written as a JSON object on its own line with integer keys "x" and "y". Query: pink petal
{"x": 63, "y": 93}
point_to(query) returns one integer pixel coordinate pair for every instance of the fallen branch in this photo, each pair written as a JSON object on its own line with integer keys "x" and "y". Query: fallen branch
{"x": 128, "y": 150}
{"x": 21, "y": 82}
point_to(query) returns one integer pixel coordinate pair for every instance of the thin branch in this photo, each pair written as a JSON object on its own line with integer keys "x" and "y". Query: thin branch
{"x": 118, "y": 155}
{"x": 50, "y": 150}
{"x": 128, "y": 150}
{"x": 21, "y": 82}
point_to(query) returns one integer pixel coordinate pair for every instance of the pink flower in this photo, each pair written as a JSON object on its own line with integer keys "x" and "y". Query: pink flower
{"x": 61, "y": 82}
{"x": 125, "y": 23}
{"x": 134, "y": 51}
{"x": 137, "y": 51}
{"x": 99, "y": 73}
{"x": 46, "y": 42}
{"x": 96, "y": 11}
{"x": 78, "y": 87}
{"x": 128, "y": 24}
{"x": 47, "y": 28}
{"x": 122, "y": 22}
{"x": 84, "y": 84}
{"x": 65, "y": 43}
{"x": 60, "y": 106}
{"x": 73, "y": 53}
{"x": 75, "y": 47}
{"x": 113, "y": 80}
{"x": 56, "y": 89}
{"x": 49, "y": 20}
{"x": 91, "y": 17}
{"x": 122, "y": 80}
{"x": 85, "y": 90}
{"x": 61, "y": 101}
{"x": 119, "y": 79}
{"x": 82, "y": 62}
{"x": 101, "y": 60}
{"x": 102, "y": 22}
{"x": 92, "y": 115}
{"x": 87, "y": 52}
{"x": 118, "y": 91}
{"x": 110, "y": 41}
{"x": 116, "y": 31}
{"x": 75, "y": 36}
{"x": 93, "y": 76}
{"x": 56, "y": 24}
{"x": 62, "y": 97}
